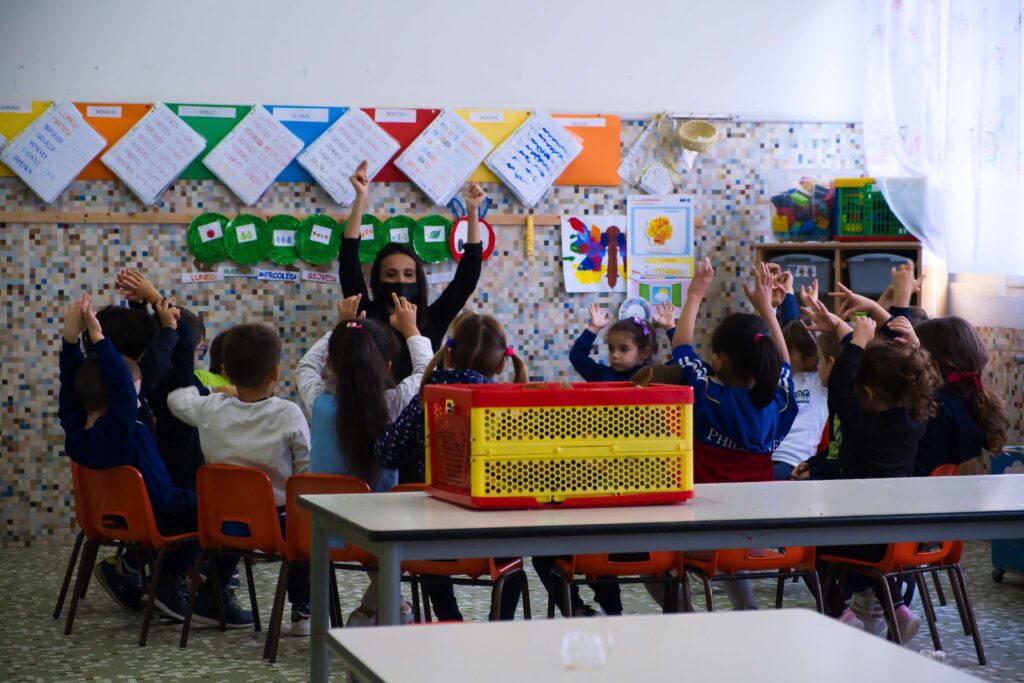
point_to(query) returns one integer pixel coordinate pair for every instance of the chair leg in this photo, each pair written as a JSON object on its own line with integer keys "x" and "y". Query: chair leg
{"x": 414, "y": 588}
{"x": 154, "y": 581}
{"x": 277, "y": 614}
{"x": 67, "y": 575}
{"x": 969, "y": 608}
{"x": 215, "y": 584}
{"x": 888, "y": 607}
{"x": 959, "y": 600}
{"x": 427, "y": 616}
{"x": 709, "y": 597}
{"x": 780, "y": 592}
{"x": 566, "y": 593}
{"x": 193, "y": 591}
{"x": 252, "y": 595}
{"x": 497, "y": 591}
{"x": 828, "y": 585}
{"x": 938, "y": 588}
{"x": 671, "y": 594}
{"x": 814, "y": 585}
{"x": 550, "y": 588}
{"x": 84, "y": 569}
{"x": 684, "y": 581}
{"x": 929, "y": 609}
{"x": 525, "y": 595}
{"x": 336, "y": 619}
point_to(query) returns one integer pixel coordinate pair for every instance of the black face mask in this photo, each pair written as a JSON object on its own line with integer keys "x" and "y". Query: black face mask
{"x": 408, "y": 290}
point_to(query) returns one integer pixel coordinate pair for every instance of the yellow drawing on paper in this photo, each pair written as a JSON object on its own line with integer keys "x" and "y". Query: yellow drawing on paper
{"x": 659, "y": 229}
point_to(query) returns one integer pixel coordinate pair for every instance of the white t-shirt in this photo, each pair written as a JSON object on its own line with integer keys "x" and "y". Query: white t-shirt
{"x": 270, "y": 435}
{"x": 805, "y": 434}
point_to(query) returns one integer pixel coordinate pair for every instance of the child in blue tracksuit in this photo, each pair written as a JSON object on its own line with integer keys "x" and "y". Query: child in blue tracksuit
{"x": 632, "y": 345}
{"x": 98, "y": 405}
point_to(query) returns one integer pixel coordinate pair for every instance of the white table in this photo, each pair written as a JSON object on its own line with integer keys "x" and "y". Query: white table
{"x": 792, "y": 645}
{"x": 411, "y": 526}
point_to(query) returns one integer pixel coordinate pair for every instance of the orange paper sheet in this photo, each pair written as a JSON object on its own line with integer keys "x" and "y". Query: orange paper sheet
{"x": 11, "y": 123}
{"x": 111, "y": 121}
{"x": 495, "y": 125}
{"x": 598, "y": 164}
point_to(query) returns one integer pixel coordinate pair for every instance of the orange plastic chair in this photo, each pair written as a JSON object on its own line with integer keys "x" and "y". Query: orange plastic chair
{"x": 114, "y": 508}
{"x": 656, "y": 567}
{"x": 756, "y": 563}
{"x": 498, "y": 574}
{"x": 910, "y": 559}
{"x": 298, "y": 526}
{"x": 70, "y": 569}
{"x": 239, "y": 495}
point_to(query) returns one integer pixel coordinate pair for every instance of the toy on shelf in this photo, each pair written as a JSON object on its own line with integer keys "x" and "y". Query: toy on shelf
{"x": 575, "y": 445}
{"x": 804, "y": 212}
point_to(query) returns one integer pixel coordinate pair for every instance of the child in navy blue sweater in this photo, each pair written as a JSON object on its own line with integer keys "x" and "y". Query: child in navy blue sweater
{"x": 98, "y": 405}
{"x": 632, "y": 345}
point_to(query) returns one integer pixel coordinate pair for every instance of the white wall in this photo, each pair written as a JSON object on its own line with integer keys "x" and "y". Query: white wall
{"x": 793, "y": 60}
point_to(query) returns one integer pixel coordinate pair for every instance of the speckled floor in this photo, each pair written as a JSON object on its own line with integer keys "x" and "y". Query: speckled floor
{"x": 103, "y": 647}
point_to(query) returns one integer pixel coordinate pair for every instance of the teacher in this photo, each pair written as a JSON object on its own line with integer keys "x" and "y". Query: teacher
{"x": 397, "y": 270}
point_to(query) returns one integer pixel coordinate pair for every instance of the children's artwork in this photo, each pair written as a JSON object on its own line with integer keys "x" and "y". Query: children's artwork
{"x": 112, "y": 121}
{"x": 532, "y": 157}
{"x": 334, "y": 156}
{"x": 249, "y": 157}
{"x": 318, "y": 239}
{"x": 658, "y": 291}
{"x": 282, "y": 246}
{"x": 308, "y": 123}
{"x": 598, "y": 163}
{"x": 205, "y": 237}
{"x": 14, "y": 116}
{"x": 660, "y": 231}
{"x": 49, "y": 152}
{"x": 442, "y": 158}
{"x": 247, "y": 239}
{"x": 404, "y": 125}
{"x": 153, "y": 153}
{"x": 460, "y": 233}
{"x": 213, "y": 122}
{"x": 495, "y": 125}
{"x": 594, "y": 253}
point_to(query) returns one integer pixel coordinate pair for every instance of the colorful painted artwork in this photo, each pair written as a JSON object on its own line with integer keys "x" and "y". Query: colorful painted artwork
{"x": 594, "y": 253}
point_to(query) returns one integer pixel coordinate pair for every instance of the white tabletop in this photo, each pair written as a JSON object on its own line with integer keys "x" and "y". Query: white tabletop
{"x": 791, "y": 645}
{"x": 714, "y": 507}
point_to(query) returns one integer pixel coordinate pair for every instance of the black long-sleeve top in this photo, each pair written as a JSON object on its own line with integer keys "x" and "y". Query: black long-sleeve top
{"x": 440, "y": 314}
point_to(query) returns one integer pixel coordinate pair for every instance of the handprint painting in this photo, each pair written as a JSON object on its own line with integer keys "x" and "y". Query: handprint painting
{"x": 594, "y": 253}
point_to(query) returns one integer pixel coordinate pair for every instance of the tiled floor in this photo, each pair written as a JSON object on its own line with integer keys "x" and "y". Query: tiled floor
{"x": 103, "y": 646}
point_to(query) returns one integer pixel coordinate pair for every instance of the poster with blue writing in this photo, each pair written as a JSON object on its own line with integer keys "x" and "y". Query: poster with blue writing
{"x": 306, "y": 123}
{"x": 531, "y": 159}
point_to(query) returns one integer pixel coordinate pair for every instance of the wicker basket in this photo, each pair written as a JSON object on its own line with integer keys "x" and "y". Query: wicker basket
{"x": 697, "y": 136}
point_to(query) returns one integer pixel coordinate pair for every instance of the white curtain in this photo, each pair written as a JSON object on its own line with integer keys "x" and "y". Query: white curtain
{"x": 944, "y": 125}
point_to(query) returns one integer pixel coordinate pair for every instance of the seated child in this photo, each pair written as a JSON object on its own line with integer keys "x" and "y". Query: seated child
{"x": 811, "y": 399}
{"x": 825, "y": 463}
{"x": 632, "y": 345}
{"x": 214, "y": 377}
{"x": 255, "y": 429}
{"x": 98, "y": 405}
{"x": 475, "y": 353}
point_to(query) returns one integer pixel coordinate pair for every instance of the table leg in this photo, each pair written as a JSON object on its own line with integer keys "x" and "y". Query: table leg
{"x": 390, "y": 577}
{"x": 319, "y": 603}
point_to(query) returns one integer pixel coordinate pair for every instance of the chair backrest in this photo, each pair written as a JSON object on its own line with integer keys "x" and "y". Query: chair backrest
{"x": 403, "y": 488}
{"x": 947, "y": 470}
{"x": 237, "y": 510}
{"x": 112, "y": 505}
{"x": 299, "y": 522}
{"x": 910, "y": 554}
{"x": 630, "y": 564}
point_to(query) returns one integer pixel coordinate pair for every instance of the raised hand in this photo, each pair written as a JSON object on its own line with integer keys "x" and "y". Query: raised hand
{"x": 904, "y": 284}
{"x": 74, "y": 322}
{"x": 348, "y": 308}
{"x": 91, "y": 323}
{"x": 863, "y": 330}
{"x": 905, "y": 330}
{"x": 598, "y": 318}
{"x": 664, "y": 315}
{"x": 403, "y": 318}
{"x": 822, "y": 319}
{"x": 360, "y": 179}
{"x": 134, "y": 286}
{"x": 168, "y": 313}
{"x": 703, "y": 274}
{"x": 809, "y": 293}
{"x": 760, "y": 295}
{"x": 475, "y": 197}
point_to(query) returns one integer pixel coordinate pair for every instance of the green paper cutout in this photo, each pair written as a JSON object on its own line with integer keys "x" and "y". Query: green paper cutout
{"x": 368, "y": 247}
{"x": 432, "y": 252}
{"x": 212, "y": 251}
{"x": 314, "y": 252}
{"x": 283, "y": 255}
{"x": 406, "y": 223}
{"x": 213, "y": 129}
{"x": 246, "y": 253}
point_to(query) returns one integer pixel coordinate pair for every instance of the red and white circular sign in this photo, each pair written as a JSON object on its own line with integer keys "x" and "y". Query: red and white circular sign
{"x": 460, "y": 232}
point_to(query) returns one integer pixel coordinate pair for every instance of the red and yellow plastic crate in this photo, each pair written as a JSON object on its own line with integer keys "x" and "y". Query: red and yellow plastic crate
{"x": 574, "y": 445}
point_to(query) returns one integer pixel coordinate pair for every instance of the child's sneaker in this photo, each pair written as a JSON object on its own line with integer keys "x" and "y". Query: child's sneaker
{"x": 850, "y": 619}
{"x": 300, "y": 620}
{"x": 172, "y": 597}
{"x": 907, "y": 622}
{"x": 868, "y": 609}
{"x": 205, "y": 612}
{"x": 585, "y": 610}
{"x": 406, "y": 617}
{"x": 361, "y": 616}
{"x": 122, "y": 588}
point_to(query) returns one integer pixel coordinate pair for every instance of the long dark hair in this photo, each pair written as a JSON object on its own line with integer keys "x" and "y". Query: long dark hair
{"x": 956, "y": 347}
{"x": 359, "y": 352}
{"x": 377, "y": 308}
{"x": 900, "y": 375}
{"x": 750, "y": 357}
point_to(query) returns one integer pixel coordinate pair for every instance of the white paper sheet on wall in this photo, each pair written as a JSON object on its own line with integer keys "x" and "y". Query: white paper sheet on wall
{"x": 153, "y": 153}
{"x": 533, "y": 156}
{"x": 443, "y": 157}
{"x": 249, "y": 158}
{"x": 334, "y": 156}
{"x": 52, "y": 150}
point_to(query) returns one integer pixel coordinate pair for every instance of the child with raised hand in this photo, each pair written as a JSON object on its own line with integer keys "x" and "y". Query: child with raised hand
{"x": 632, "y": 344}
{"x": 896, "y": 298}
{"x": 346, "y": 424}
{"x": 825, "y": 463}
{"x": 811, "y": 397}
{"x": 477, "y": 351}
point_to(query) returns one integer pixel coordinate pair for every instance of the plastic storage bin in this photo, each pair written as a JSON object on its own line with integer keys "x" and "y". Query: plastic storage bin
{"x": 863, "y": 214}
{"x": 807, "y": 267}
{"x": 582, "y": 444}
{"x": 870, "y": 274}
{"x": 1008, "y": 554}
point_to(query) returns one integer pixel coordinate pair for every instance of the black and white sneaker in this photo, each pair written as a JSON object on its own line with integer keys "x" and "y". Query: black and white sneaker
{"x": 205, "y": 612}
{"x": 172, "y": 597}
{"x": 300, "y": 620}
{"x": 123, "y": 588}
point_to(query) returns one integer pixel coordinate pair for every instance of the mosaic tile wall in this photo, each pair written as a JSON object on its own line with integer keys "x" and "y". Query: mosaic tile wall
{"x": 41, "y": 266}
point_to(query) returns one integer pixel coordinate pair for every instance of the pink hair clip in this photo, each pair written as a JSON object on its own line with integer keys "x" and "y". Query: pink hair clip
{"x": 509, "y": 351}
{"x": 354, "y": 324}
{"x": 758, "y": 336}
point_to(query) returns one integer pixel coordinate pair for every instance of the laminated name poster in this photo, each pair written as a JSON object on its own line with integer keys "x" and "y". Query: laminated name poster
{"x": 249, "y": 158}
{"x": 659, "y": 230}
{"x": 14, "y": 116}
{"x": 150, "y": 156}
{"x": 49, "y": 152}
{"x": 308, "y": 123}
{"x": 334, "y": 156}
{"x": 443, "y": 157}
{"x": 531, "y": 158}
